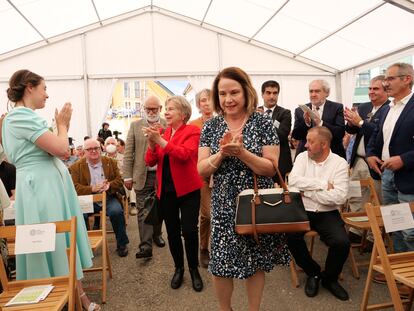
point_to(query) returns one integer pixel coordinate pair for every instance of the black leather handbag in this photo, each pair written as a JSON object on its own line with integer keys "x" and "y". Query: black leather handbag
{"x": 274, "y": 210}
{"x": 151, "y": 213}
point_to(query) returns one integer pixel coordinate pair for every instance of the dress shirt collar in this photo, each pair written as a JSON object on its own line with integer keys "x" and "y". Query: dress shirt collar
{"x": 402, "y": 101}
{"x": 323, "y": 162}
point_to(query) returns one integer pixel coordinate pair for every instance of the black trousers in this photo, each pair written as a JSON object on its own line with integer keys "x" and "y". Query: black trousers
{"x": 180, "y": 215}
{"x": 330, "y": 227}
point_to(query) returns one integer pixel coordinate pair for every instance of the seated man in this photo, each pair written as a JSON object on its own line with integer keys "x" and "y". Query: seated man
{"x": 322, "y": 178}
{"x": 94, "y": 174}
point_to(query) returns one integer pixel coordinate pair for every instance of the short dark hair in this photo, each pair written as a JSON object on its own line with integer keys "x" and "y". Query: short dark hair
{"x": 18, "y": 83}
{"x": 270, "y": 83}
{"x": 121, "y": 142}
{"x": 105, "y": 123}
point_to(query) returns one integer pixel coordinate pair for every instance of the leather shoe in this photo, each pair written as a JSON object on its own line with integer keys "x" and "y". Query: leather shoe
{"x": 122, "y": 251}
{"x": 144, "y": 253}
{"x": 204, "y": 258}
{"x": 159, "y": 241}
{"x": 312, "y": 286}
{"x": 196, "y": 279}
{"x": 177, "y": 278}
{"x": 336, "y": 289}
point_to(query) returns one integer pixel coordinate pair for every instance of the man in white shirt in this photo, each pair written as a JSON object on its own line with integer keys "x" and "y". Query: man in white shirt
{"x": 322, "y": 178}
{"x": 390, "y": 151}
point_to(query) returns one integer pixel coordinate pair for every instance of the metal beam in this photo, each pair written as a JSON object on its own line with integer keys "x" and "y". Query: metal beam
{"x": 340, "y": 28}
{"x": 86, "y": 86}
{"x": 96, "y": 11}
{"x": 402, "y": 4}
{"x": 28, "y": 21}
{"x": 205, "y": 14}
{"x": 271, "y": 17}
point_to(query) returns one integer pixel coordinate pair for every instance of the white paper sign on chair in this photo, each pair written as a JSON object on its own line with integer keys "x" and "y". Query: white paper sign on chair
{"x": 86, "y": 203}
{"x": 37, "y": 238}
{"x": 397, "y": 217}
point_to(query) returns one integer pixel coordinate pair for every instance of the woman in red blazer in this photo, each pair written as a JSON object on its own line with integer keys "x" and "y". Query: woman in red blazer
{"x": 178, "y": 185}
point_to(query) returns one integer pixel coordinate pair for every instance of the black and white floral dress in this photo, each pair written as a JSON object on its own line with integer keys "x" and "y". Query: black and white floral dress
{"x": 233, "y": 255}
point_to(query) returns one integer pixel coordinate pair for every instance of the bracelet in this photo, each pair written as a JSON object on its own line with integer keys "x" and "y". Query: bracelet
{"x": 211, "y": 163}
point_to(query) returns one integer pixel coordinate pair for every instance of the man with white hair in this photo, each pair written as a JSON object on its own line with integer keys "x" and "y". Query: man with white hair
{"x": 325, "y": 113}
{"x": 139, "y": 177}
{"x": 95, "y": 173}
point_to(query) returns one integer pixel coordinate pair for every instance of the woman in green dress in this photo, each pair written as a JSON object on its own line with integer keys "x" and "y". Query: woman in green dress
{"x": 44, "y": 188}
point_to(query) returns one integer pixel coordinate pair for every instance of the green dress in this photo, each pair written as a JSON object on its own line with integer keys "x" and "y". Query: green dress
{"x": 44, "y": 193}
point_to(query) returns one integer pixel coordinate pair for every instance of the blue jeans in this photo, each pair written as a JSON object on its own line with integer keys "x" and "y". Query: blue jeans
{"x": 116, "y": 214}
{"x": 403, "y": 240}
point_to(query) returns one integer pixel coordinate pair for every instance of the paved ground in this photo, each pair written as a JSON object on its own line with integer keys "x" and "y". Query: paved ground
{"x": 144, "y": 285}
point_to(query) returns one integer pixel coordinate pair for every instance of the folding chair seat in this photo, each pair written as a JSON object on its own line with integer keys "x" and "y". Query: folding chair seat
{"x": 98, "y": 239}
{"x": 396, "y": 267}
{"x": 64, "y": 291}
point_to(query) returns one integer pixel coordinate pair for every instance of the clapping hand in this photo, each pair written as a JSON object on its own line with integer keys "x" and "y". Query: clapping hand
{"x": 63, "y": 116}
{"x": 231, "y": 146}
{"x": 352, "y": 116}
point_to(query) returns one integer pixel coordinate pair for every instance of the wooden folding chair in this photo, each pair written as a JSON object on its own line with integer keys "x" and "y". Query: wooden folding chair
{"x": 396, "y": 267}
{"x": 310, "y": 235}
{"x": 363, "y": 226}
{"x": 98, "y": 239}
{"x": 64, "y": 291}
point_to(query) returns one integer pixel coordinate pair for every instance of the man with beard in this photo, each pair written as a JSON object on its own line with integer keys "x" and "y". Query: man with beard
{"x": 141, "y": 178}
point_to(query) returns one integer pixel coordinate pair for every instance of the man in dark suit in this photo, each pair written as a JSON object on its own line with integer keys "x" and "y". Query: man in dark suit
{"x": 390, "y": 151}
{"x": 282, "y": 120}
{"x": 362, "y": 122}
{"x": 327, "y": 113}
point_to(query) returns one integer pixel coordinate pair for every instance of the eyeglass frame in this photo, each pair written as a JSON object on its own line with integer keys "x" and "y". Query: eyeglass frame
{"x": 153, "y": 110}
{"x": 92, "y": 149}
{"x": 392, "y": 78}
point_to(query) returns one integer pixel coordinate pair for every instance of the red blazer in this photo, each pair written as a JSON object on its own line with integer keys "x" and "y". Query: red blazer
{"x": 182, "y": 150}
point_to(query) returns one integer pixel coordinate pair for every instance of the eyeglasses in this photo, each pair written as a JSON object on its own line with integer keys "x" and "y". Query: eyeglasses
{"x": 392, "y": 78}
{"x": 93, "y": 149}
{"x": 153, "y": 110}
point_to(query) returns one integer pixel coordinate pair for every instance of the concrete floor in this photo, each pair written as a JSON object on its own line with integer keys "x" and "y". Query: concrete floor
{"x": 144, "y": 285}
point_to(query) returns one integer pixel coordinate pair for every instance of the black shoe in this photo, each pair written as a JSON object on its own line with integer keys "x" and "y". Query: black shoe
{"x": 122, "y": 251}
{"x": 144, "y": 253}
{"x": 196, "y": 279}
{"x": 159, "y": 241}
{"x": 336, "y": 289}
{"x": 312, "y": 286}
{"x": 177, "y": 278}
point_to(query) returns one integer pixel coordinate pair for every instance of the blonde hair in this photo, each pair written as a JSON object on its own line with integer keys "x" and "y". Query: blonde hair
{"x": 182, "y": 104}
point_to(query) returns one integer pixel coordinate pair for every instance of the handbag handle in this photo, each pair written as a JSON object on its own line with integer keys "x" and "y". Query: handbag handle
{"x": 256, "y": 198}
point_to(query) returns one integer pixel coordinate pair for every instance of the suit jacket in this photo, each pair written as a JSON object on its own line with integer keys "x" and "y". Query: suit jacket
{"x": 182, "y": 150}
{"x": 364, "y": 131}
{"x": 135, "y": 148}
{"x": 284, "y": 117}
{"x": 333, "y": 119}
{"x": 401, "y": 143}
{"x": 82, "y": 177}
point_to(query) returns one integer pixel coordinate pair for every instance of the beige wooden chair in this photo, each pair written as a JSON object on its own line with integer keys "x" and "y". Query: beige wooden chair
{"x": 396, "y": 267}
{"x": 362, "y": 226}
{"x": 98, "y": 239}
{"x": 64, "y": 291}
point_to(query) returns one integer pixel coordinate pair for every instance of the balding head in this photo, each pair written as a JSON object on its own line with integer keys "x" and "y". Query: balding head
{"x": 92, "y": 149}
{"x": 152, "y": 101}
{"x": 152, "y": 108}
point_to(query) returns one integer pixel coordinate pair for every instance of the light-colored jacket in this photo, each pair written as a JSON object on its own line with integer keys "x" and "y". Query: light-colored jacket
{"x": 135, "y": 147}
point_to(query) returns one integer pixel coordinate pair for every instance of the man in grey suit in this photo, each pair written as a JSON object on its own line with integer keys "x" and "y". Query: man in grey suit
{"x": 282, "y": 120}
{"x": 140, "y": 177}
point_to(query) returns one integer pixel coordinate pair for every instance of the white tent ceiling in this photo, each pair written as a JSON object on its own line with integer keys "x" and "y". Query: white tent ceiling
{"x": 336, "y": 33}
{"x": 80, "y": 46}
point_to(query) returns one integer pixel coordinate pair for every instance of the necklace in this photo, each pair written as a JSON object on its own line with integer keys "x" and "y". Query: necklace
{"x": 238, "y": 129}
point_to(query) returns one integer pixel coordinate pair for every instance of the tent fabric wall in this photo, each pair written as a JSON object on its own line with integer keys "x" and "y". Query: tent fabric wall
{"x": 154, "y": 46}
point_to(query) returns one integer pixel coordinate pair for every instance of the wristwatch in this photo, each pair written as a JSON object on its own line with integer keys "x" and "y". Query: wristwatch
{"x": 360, "y": 123}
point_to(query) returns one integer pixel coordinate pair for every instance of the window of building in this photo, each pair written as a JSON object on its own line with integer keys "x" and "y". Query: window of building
{"x": 136, "y": 89}
{"x": 126, "y": 89}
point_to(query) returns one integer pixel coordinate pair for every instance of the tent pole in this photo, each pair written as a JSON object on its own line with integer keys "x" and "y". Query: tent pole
{"x": 86, "y": 87}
